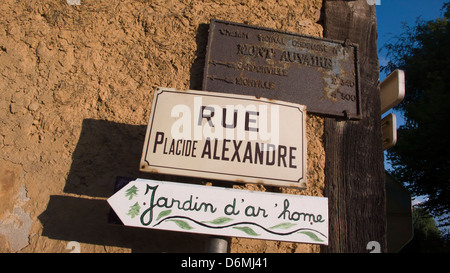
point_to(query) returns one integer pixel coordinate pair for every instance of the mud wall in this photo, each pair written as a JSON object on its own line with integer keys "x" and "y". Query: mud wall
{"x": 75, "y": 92}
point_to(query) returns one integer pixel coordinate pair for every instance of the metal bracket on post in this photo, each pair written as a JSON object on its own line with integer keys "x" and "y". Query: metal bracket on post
{"x": 216, "y": 244}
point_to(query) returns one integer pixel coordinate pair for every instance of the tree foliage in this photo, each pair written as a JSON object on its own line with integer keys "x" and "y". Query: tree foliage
{"x": 421, "y": 157}
{"x": 427, "y": 237}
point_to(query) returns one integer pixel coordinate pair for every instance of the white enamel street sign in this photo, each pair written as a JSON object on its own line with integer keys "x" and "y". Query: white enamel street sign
{"x": 222, "y": 211}
{"x": 226, "y": 137}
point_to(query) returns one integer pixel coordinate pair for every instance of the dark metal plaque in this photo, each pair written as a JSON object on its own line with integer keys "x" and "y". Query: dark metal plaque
{"x": 321, "y": 74}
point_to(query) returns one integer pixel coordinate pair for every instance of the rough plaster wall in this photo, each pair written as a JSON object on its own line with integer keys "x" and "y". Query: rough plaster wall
{"x": 75, "y": 91}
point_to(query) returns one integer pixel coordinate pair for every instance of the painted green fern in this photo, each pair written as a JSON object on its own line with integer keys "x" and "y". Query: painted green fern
{"x": 283, "y": 226}
{"x": 247, "y": 230}
{"x": 182, "y": 224}
{"x": 131, "y": 192}
{"x": 163, "y": 213}
{"x": 134, "y": 210}
{"x": 311, "y": 235}
{"x": 219, "y": 221}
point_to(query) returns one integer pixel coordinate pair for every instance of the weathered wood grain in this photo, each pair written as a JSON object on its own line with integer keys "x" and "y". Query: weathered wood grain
{"x": 354, "y": 180}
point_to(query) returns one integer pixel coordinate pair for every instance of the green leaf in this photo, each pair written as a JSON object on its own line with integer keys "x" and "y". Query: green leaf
{"x": 134, "y": 210}
{"x": 311, "y": 235}
{"x": 182, "y": 224}
{"x": 247, "y": 230}
{"x": 131, "y": 192}
{"x": 283, "y": 226}
{"x": 163, "y": 213}
{"x": 219, "y": 221}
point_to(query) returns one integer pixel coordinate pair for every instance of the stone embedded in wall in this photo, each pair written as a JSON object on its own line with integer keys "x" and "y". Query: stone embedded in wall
{"x": 15, "y": 222}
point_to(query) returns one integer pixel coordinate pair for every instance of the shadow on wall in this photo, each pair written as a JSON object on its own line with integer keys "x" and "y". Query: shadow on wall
{"x": 106, "y": 150}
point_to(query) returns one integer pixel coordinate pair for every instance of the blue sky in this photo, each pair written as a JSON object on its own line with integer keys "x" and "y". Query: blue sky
{"x": 391, "y": 14}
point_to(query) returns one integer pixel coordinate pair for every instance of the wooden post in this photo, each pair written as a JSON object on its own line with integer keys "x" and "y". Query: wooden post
{"x": 354, "y": 171}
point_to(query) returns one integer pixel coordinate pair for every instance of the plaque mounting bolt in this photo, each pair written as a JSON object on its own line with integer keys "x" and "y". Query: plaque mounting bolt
{"x": 346, "y": 114}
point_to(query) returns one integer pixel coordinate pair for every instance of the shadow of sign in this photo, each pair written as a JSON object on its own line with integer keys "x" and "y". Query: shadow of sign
{"x": 201, "y": 40}
{"x": 106, "y": 150}
{"x": 86, "y": 221}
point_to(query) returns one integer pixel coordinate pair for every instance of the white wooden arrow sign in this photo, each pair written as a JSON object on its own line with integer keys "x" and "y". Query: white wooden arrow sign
{"x": 392, "y": 90}
{"x": 222, "y": 211}
{"x": 389, "y": 131}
